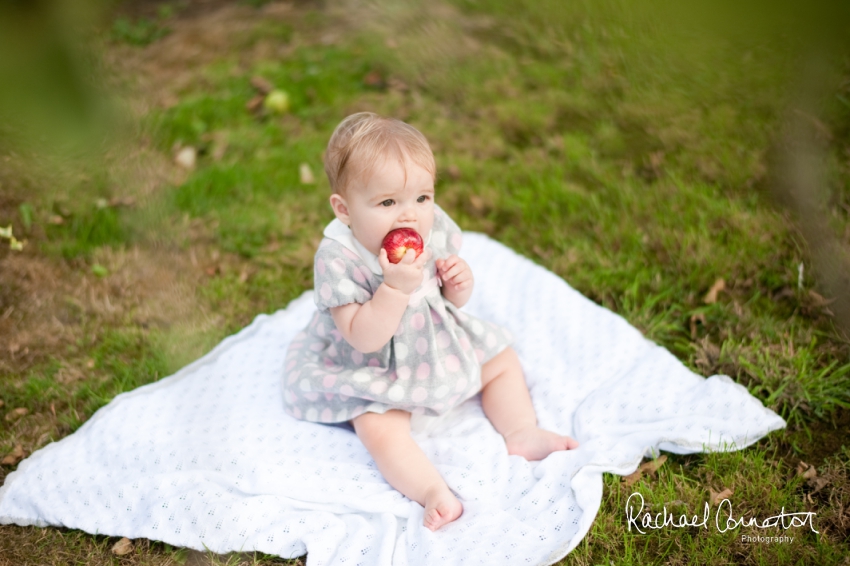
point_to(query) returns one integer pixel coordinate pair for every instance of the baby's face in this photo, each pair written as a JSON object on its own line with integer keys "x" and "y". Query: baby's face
{"x": 384, "y": 202}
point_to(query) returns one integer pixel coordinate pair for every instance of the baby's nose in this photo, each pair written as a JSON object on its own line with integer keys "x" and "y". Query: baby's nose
{"x": 407, "y": 214}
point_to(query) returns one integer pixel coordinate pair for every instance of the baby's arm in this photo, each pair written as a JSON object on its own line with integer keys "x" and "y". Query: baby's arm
{"x": 457, "y": 279}
{"x": 369, "y": 326}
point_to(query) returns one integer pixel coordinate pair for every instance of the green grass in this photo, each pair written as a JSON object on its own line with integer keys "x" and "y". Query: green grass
{"x": 627, "y": 158}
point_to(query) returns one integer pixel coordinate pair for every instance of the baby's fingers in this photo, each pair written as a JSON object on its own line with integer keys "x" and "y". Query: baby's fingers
{"x": 423, "y": 257}
{"x": 449, "y": 262}
{"x": 455, "y": 273}
{"x": 383, "y": 260}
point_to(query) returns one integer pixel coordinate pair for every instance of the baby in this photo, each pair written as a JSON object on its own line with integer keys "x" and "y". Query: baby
{"x": 389, "y": 340}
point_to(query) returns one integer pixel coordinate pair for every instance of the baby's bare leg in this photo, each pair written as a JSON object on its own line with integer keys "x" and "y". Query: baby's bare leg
{"x": 507, "y": 403}
{"x": 405, "y": 466}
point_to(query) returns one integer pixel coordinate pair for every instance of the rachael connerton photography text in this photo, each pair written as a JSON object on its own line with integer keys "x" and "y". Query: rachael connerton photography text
{"x": 724, "y": 519}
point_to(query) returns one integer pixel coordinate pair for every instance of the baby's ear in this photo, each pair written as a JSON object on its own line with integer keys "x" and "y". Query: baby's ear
{"x": 340, "y": 208}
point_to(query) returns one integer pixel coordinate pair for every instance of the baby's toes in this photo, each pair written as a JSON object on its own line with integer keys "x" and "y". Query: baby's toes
{"x": 434, "y": 519}
{"x": 445, "y": 510}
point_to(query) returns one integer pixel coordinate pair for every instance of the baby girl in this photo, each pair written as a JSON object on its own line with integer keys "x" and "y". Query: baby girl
{"x": 389, "y": 340}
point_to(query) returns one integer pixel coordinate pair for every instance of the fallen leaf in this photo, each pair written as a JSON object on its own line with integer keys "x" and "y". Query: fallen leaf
{"x": 717, "y": 497}
{"x": 696, "y": 319}
{"x": 306, "y": 174}
{"x": 818, "y": 484}
{"x": 261, "y": 84}
{"x": 806, "y": 471}
{"x": 477, "y": 202}
{"x": 820, "y": 300}
{"x": 56, "y": 220}
{"x": 646, "y": 468}
{"x": 653, "y": 465}
{"x": 632, "y": 478}
{"x": 256, "y": 103}
{"x": 186, "y": 158}
{"x": 122, "y": 547}
{"x": 13, "y": 457}
{"x": 16, "y": 245}
{"x": 15, "y": 414}
{"x": 711, "y": 296}
{"x": 90, "y": 364}
{"x": 374, "y": 79}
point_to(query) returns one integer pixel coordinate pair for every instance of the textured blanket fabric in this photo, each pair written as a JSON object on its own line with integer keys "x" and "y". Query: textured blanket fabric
{"x": 207, "y": 459}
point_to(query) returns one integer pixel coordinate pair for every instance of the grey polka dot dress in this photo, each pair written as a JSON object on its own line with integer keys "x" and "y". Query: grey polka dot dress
{"x": 431, "y": 364}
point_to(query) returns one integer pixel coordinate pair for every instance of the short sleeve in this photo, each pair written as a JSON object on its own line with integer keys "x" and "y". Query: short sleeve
{"x": 340, "y": 277}
{"x": 446, "y": 237}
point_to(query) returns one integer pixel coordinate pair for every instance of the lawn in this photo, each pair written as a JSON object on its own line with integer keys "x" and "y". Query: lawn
{"x": 634, "y": 161}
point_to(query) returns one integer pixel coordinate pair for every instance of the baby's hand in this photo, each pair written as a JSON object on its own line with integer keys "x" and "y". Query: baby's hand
{"x": 406, "y": 275}
{"x": 455, "y": 273}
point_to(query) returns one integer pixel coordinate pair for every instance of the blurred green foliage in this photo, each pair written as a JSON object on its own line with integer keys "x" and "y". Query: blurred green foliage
{"x": 48, "y": 83}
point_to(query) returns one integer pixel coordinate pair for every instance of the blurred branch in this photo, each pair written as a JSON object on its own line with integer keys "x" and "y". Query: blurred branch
{"x": 799, "y": 182}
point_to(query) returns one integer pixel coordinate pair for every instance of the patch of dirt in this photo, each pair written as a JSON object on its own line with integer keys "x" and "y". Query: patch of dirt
{"x": 46, "y": 304}
{"x": 201, "y": 33}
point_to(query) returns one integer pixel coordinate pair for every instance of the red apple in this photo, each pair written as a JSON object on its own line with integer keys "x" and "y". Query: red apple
{"x": 398, "y": 241}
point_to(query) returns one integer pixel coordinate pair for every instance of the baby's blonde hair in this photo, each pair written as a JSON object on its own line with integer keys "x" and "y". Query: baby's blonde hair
{"x": 361, "y": 139}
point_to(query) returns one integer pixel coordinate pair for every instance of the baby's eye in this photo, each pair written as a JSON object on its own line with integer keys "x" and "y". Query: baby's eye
{"x": 388, "y": 202}
{"x": 422, "y": 198}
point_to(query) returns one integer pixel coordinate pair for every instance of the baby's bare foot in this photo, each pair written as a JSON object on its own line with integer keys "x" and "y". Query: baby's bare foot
{"x": 533, "y": 443}
{"x": 441, "y": 507}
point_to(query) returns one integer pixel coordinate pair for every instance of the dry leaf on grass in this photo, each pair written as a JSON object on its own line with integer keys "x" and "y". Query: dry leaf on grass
{"x": 810, "y": 474}
{"x": 716, "y": 497}
{"x": 819, "y": 300}
{"x": 15, "y": 414}
{"x": 256, "y": 103}
{"x": 122, "y": 547}
{"x": 711, "y": 296}
{"x": 646, "y": 468}
{"x": 306, "y": 174}
{"x": 817, "y": 484}
{"x": 16, "y": 455}
{"x": 696, "y": 320}
{"x": 261, "y": 84}
{"x": 807, "y": 471}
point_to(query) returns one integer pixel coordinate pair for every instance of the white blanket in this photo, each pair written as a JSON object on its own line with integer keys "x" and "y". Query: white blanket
{"x": 207, "y": 459}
